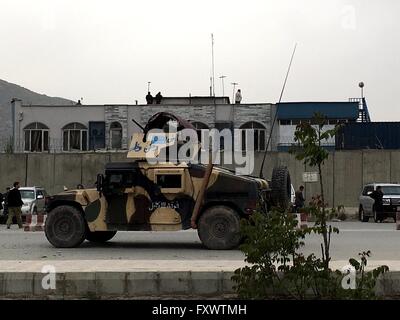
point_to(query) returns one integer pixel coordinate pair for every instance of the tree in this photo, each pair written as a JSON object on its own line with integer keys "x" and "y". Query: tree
{"x": 309, "y": 137}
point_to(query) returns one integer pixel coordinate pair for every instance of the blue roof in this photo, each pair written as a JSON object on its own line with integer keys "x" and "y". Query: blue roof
{"x": 306, "y": 110}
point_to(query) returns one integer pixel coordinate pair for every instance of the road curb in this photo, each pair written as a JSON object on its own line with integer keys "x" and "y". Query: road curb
{"x": 117, "y": 284}
{"x": 97, "y": 285}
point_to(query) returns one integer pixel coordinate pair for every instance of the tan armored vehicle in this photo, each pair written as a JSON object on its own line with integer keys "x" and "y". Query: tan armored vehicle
{"x": 166, "y": 196}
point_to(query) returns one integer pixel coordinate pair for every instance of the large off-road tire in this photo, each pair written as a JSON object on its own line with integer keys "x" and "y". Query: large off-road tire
{"x": 65, "y": 227}
{"x": 362, "y": 216}
{"x": 100, "y": 236}
{"x": 219, "y": 228}
{"x": 281, "y": 188}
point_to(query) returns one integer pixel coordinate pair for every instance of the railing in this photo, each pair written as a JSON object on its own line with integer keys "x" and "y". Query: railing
{"x": 363, "y": 113}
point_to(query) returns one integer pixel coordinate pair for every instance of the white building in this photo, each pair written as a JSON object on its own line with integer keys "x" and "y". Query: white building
{"x": 78, "y": 127}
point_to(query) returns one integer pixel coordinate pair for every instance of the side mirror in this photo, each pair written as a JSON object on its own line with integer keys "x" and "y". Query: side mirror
{"x": 99, "y": 182}
{"x": 40, "y": 196}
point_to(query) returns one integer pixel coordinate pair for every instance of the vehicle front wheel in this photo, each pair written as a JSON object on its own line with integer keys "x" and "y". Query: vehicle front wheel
{"x": 100, "y": 236}
{"x": 65, "y": 227}
{"x": 362, "y": 215}
{"x": 219, "y": 228}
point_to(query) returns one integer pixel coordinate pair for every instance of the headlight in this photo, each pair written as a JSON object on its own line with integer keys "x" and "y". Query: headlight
{"x": 386, "y": 201}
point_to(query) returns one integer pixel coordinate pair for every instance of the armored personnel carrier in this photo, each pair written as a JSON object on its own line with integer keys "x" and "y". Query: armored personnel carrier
{"x": 143, "y": 196}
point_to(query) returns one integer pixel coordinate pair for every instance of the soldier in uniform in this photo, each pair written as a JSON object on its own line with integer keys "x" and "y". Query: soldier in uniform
{"x": 14, "y": 204}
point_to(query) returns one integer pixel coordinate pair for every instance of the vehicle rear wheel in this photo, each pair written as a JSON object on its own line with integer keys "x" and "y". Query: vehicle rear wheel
{"x": 100, "y": 236}
{"x": 362, "y": 216}
{"x": 65, "y": 227}
{"x": 281, "y": 187}
{"x": 219, "y": 228}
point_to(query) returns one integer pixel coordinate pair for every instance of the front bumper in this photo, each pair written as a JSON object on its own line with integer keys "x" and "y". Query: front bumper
{"x": 391, "y": 209}
{"x": 26, "y": 210}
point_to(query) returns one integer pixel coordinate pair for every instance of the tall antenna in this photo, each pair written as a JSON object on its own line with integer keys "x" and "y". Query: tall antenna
{"x": 212, "y": 64}
{"x": 233, "y": 94}
{"x": 276, "y": 112}
{"x": 223, "y": 85}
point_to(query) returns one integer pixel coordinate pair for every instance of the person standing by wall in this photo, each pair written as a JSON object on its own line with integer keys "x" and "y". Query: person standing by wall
{"x": 299, "y": 199}
{"x": 149, "y": 98}
{"x": 14, "y": 203}
{"x": 377, "y": 195}
{"x": 158, "y": 98}
{"x": 238, "y": 97}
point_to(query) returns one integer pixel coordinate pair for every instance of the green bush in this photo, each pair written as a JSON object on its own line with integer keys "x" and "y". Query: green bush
{"x": 277, "y": 268}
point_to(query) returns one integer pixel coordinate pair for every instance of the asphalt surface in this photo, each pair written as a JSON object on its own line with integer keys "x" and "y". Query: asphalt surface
{"x": 381, "y": 238}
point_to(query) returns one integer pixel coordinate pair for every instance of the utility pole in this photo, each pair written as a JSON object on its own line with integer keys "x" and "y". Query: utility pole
{"x": 361, "y": 85}
{"x": 233, "y": 94}
{"x": 148, "y": 86}
{"x": 223, "y": 86}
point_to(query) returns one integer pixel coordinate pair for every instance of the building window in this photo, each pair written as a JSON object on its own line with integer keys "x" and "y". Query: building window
{"x": 36, "y": 137}
{"x": 75, "y": 137}
{"x": 116, "y": 135}
{"x": 260, "y": 135}
{"x": 285, "y": 122}
{"x": 199, "y": 127}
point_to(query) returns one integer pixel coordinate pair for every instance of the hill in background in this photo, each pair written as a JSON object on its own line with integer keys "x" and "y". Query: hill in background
{"x": 8, "y": 91}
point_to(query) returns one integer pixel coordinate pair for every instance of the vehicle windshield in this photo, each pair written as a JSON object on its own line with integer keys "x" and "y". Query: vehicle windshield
{"x": 27, "y": 194}
{"x": 391, "y": 190}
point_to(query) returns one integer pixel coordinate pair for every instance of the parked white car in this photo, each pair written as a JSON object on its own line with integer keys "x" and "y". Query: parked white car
{"x": 34, "y": 199}
{"x": 391, "y": 201}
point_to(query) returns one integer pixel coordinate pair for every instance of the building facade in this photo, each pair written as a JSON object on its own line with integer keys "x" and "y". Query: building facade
{"x": 290, "y": 114}
{"x": 82, "y": 128}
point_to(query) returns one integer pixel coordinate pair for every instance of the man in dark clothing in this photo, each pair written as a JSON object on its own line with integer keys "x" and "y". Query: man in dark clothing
{"x": 149, "y": 98}
{"x": 14, "y": 203}
{"x": 299, "y": 198}
{"x": 158, "y": 98}
{"x": 377, "y": 195}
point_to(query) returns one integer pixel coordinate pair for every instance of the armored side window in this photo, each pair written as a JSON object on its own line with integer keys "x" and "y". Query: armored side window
{"x": 169, "y": 181}
{"x": 121, "y": 179}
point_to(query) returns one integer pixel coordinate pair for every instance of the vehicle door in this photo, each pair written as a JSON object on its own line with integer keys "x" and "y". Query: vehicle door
{"x": 173, "y": 206}
{"x": 366, "y": 201}
{"x": 118, "y": 185}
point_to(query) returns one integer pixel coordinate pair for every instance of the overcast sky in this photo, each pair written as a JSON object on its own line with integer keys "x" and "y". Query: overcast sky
{"x": 107, "y": 51}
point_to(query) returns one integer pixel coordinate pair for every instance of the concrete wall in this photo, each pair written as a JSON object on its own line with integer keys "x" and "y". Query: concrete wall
{"x": 345, "y": 172}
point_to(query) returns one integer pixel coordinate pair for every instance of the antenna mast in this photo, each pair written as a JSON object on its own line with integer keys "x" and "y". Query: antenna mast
{"x": 212, "y": 64}
{"x": 276, "y": 112}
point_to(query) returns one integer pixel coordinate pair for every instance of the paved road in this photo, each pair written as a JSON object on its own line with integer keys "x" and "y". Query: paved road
{"x": 382, "y": 239}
